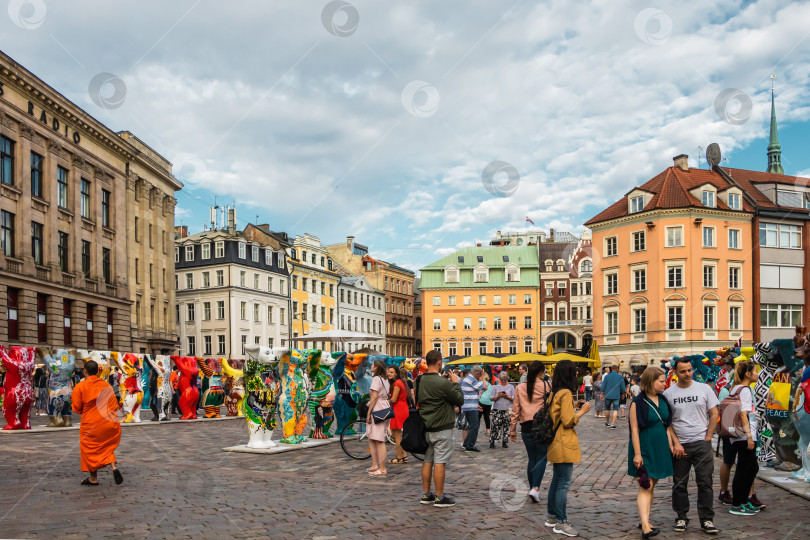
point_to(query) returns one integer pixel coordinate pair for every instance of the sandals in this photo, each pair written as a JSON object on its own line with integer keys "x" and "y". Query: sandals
{"x": 398, "y": 461}
{"x": 371, "y": 469}
{"x": 87, "y": 482}
{"x": 119, "y": 478}
{"x": 378, "y": 473}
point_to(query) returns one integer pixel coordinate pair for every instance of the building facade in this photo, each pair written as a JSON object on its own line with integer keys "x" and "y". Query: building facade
{"x": 482, "y": 300}
{"x": 360, "y": 309}
{"x": 397, "y": 284}
{"x": 66, "y": 244}
{"x": 232, "y": 291}
{"x": 314, "y": 290}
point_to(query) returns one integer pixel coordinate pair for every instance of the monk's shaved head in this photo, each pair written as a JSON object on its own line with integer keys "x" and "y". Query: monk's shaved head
{"x": 91, "y": 367}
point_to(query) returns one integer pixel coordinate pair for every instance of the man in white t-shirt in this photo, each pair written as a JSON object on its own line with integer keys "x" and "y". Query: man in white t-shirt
{"x": 694, "y": 417}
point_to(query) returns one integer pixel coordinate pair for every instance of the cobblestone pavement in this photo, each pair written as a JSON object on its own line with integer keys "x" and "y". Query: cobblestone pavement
{"x": 179, "y": 483}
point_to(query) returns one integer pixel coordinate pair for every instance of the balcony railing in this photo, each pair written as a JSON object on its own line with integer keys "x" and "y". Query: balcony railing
{"x": 13, "y": 266}
{"x": 90, "y": 285}
{"x": 67, "y": 280}
{"x": 573, "y": 322}
{"x": 43, "y": 273}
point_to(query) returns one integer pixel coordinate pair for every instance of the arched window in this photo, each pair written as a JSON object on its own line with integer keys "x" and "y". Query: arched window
{"x": 586, "y": 266}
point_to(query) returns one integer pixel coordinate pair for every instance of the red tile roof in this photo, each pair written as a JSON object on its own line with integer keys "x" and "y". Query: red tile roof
{"x": 671, "y": 189}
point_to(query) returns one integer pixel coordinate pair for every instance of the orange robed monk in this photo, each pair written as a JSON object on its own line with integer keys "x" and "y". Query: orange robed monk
{"x": 99, "y": 431}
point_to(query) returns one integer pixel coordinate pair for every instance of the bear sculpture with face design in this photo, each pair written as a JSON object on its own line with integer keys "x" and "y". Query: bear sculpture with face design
{"x": 261, "y": 393}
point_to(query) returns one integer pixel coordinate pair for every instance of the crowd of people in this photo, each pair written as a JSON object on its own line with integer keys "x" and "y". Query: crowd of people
{"x": 670, "y": 433}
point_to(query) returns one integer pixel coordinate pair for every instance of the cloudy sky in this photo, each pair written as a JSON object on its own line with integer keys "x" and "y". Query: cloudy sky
{"x": 417, "y": 126}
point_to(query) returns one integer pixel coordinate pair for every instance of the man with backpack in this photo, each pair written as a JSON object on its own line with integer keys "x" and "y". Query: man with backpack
{"x": 437, "y": 396}
{"x": 694, "y": 417}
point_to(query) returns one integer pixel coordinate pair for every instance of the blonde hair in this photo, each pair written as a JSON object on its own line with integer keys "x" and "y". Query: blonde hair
{"x": 741, "y": 370}
{"x": 648, "y": 378}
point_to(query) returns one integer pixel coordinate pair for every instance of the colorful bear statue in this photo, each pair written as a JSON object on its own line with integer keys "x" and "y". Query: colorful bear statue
{"x": 18, "y": 386}
{"x": 160, "y": 376}
{"x": 61, "y": 365}
{"x": 321, "y": 395}
{"x": 261, "y": 394}
{"x": 187, "y": 386}
{"x": 131, "y": 386}
{"x": 293, "y": 394}
{"x": 212, "y": 393}
{"x": 234, "y": 379}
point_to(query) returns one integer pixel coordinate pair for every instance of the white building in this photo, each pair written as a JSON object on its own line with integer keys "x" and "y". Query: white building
{"x": 360, "y": 309}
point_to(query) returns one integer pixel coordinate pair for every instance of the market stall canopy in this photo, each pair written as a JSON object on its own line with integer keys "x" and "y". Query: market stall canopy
{"x": 478, "y": 359}
{"x": 339, "y": 336}
{"x": 520, "y": 358}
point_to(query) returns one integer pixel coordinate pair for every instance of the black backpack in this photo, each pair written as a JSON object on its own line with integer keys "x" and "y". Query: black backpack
{"x": 543, "y": 427}
{"x": 414, "y": 439}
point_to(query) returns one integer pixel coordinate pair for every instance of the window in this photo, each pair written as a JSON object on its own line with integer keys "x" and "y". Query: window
{"x": 611, "y": 246}
{"x": 220, "y": 278}
{"x": 219, "y": 249}
{"x": 640, "y": 320}
{"x": 780, "y": 236}
{"x": 243, "y": 310}
{"x": 192, "y": 348}
{"x": 206, "y": 279}
{"x": 189, "y": 281}
{"x": 254, "y": 251}
{"x": 255, "y": 281}
{"x": 674, "y": 277}
{"x": 207, "y": 345}
{"x": 675, "y": 318}
{"x": 512, "y": 299}
{"x": 437, "y": 324}
{"x": 734, "y": 201}
{"x": 242, "y": 278}
{"x": 707, "y": 197}
{"x": 512, "y": 273}
{"x": 189, "y": 252}
{"x": 206, "y": 251}
{"x": 636, "y": 204}
{"x": 612, "y": 283}
{"x": 467, "y": 323}
{"x": 640, "y": 280}
{"x": 734, "y": 318}
{"x": 36, "y": 242}
{"x": 242, "y": 250}
{"x": 512, "y": 323}
{"x": 221, "y": 344}
{"x": 708, "y": 317}
{"x": 63, "y": 251}
{"x": 220, "y": 310}
{"x": 708, "y": 276}
{"x": 528, "y": 346}
{"x": 62, "y": 187}
{"x": 282, "y": 287}
{"x": 482, "y": 347}
{"x": 513, "y": 347}
{"x": 481, "y": 274}
{"x": 675, "y": 236}
{"x": 527, "y": 322}
{"x": 256, "y": 316}
{"x": 482, "y": 323}
{"x": 496, "y": 323}
{"x": 86, "y": 258}
{"x": 708, "y": 237}
{"x": 561, "y": 313}
{"x": 269, "y": 314}
{"x": 6, "y": 161}
{"x": 734, "y": 277}
{"x": 527, "y": 298}
{"x": 206, "y": 315}
{"x": 467, "y": 300}
{"x": 482, "y": 300}
{"x": 89, "y": 325}
{"x": 36, "y": 174}
{"x": 612, "y": 322}
{"x": 85, "y": 199}
{"x": 106, "y": 265}
{"x": 190, "y": 312}
{"x": 561, "y": 286}
{"x": 496, "y": 347}
{"x": 734, "y": 238}
{"x": 176, "y": 254}
{"x": 496, "y": 300}
{"x": 586, "y": 266}
{"x": 639, "y": 241}
{"x": 550, "y": 289}
{"x": 780, "y": 315}
{"x": 244, "y": 342}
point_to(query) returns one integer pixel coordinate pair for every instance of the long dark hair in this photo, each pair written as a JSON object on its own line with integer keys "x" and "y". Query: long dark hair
{"x": 565, "y": 376}
{"x": 536, "y": 368}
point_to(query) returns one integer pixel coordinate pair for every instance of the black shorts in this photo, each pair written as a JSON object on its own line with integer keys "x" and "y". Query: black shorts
{"x": 729, "y": 452}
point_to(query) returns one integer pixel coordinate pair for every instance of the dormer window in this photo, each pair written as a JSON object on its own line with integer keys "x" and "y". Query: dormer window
{"x": 512, "y": 273}
{"x": 586, "y": 266}
{"x": 734, "y": 201}
{"x": 636, "y": 204}
{"x": 708, "y": 199}
{"x": 560, "y": 265}
{"x": 461, "y": 258}
{"x": 451, "y": 274}
{"x": 480, "y": 258}
{"x": 481, "y": 274}
{"x": 548, "y": 265}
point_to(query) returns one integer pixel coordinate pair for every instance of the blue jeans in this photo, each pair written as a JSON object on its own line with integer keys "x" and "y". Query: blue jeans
{"x": 558, "y": 491}
{"x": 473, "y": 421}
{"x": 588, "y": 393}
{"x": 536, "y": 468}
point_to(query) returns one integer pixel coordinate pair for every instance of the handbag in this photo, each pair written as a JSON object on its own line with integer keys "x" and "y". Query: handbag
{"x": 414, "y": 438}
{"x": 383, "y": 414}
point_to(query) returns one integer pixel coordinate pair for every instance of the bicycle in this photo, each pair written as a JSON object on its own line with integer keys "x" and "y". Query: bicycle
{"x": 354, "y": 441}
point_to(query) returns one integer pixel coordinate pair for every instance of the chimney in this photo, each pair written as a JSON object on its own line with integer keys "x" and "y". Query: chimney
{"x": 551, "y": 235}
{"x": 231, "y": 220}
{"x": 682, "y": 161}
{"x": 350, "y": 243}
{"x": 498, "y": 234}
{"x": 477, "y": 245}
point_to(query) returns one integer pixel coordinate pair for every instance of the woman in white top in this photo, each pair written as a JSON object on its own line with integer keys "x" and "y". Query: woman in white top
{"x": 745, "y": 373}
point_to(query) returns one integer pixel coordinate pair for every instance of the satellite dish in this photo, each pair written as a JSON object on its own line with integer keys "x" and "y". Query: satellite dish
{"x": 713, "y": 155}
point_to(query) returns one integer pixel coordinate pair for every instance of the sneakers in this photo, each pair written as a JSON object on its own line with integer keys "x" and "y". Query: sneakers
{"x": 551, "y": 521}
{"x": 743, "y": 510}
{"x": 428, "y": 498}
{"x": 473, "y": 449}
{"x": 709, "y": 528}
{"x": 607, "y": 424}
{"x": 680, "y": 525}
{"x": 492, "y": 445}
{"x": 444, "y": 502}
{"x": 725, "y": 498}
{"x": 565, "y": 528}
{"x": 534, "y": 496}
{"x": 612, "y": 426}
{"x": 756, "y": 503}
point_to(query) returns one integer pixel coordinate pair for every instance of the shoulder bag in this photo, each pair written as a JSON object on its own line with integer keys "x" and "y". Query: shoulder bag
{"x": 383, "y": 414}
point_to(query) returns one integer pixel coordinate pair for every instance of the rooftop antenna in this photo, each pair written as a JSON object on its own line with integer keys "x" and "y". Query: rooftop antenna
{"x": 700, "y": 154}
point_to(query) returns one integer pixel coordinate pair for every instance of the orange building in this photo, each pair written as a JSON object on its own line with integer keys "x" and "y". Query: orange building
{"x": 672, "y": 268}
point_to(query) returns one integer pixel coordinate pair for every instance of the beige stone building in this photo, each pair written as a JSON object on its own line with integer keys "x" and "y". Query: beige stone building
{"x": 73, "y": 271}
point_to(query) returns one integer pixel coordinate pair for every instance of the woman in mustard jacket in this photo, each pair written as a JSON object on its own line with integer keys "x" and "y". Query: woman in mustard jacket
{"x": 563, "y": 451}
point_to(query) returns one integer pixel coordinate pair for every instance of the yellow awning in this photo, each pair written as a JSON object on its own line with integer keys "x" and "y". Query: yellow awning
{"x": 478, "y": 359}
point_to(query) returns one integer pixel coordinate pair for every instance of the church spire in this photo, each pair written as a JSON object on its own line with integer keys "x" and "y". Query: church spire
{"x": 774, "y": 148}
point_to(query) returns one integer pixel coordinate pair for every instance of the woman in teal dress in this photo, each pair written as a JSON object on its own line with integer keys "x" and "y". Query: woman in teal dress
{"x": 650, "y": 446}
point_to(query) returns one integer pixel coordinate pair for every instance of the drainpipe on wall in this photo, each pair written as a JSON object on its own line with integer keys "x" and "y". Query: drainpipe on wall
{"x": 756, "y": 297}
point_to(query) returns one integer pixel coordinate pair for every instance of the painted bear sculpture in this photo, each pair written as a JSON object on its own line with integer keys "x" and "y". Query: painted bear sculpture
{"x": 187, "y": 386}
{"x": 131, "y": 386}
{"x": 261, "y": 393}
{"x": 61, "y": 365}
{"x": 18, "y": 386}
{"x": 801, "y": 419}
{"x": 234, "y": 379}
{"x": 345, "y": 400}
{"x": 294, "y": 393}
{"x": 322, "y": 394}
{"x": 160, "y": 382}
{"x": 102, "y": 358}
{"x": 212, "y": 393}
